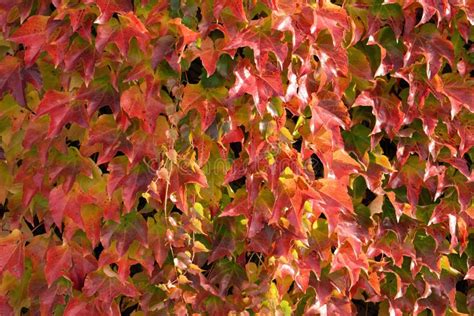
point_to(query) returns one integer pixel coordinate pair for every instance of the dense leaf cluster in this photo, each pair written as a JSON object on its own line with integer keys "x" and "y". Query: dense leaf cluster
{"x": 236, "y": 156}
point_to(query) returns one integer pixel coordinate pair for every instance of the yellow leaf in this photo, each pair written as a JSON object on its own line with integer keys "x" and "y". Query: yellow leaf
{"x": 199, "y": 247}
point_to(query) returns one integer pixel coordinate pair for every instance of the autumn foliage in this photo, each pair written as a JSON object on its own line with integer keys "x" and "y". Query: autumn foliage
{"x": 236, "y": 156}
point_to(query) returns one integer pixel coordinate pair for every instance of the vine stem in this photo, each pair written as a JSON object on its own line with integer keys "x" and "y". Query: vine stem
{"x": 166, "y": 213}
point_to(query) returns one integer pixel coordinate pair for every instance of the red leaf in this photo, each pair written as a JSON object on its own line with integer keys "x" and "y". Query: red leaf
{"x": 62, "y": 110}
{"x": 107, "y": 286}
{"x": 470, "y": 274}
{"x": 334, "y": 194}
{"x": 431, "y": 45}
{"x": 133, "y": 181}
{"x": 5, "y": 308}
{"x": 11, "y": 79}
{"x": 58, "y": 263}
{"x": 32, "y": 34}
{"x": 346, "y": 257}
{"x": 91, "y": 216}
{"x": 330, "y": 17}
{"x": 188, "y": 172}
{"x": 209, "y": 55}
{"x": 103, "y": 133}
{"x": 186, "y": 35}
{"x": 328, "y": 109}
{"x": 261, "y": 86}
{"x": 109, "y": 7}
{"x": 12, "y": 254}
{"x": 157, "y": 239}
{"x": 235, "y": 6}
{"x": 203, "y": 101}
{"x": 239, "y": 206}
{"x": 385, "y": 107}
{"x": 132, "y": 227}
{"x": 137, "y": 105}
{"x": 261, "y": 44}
{"x": 117, "y": 172}
{"x": 460, "y": 92}
{"x": 68, "y": 203}
{"x": 136, "y": 182}
{"x": 410, "y": 175}
{"x": 121, "y": 34}
{"x": 77, "y": 307}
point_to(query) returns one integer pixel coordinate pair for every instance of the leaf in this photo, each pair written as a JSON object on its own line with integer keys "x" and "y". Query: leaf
{"x": 209, "y": 53}
{"x": 327, "y": 109}
{"x": 329, "y": 17}
{"x": 122, "y": 33}
{"x": 224, "y": 156}
{"x": 136, "y": 105}
{"x": 186, "y": 35}
{"x": 334, "y": 194}
{"x": 385, "y": 107}
{"x": 261, "y": 43}
{"x": 260, "y": 86}
{"x": 426, "y": 249}
{"x": 359, "y": 64}
{"x": 5, "y": 308}
{"x": 109, "y": 7}
{"x": 460, "y": 92}
{"x": 12, "y": 253}
{"x": 157, "y": 239}
{"x": 430, "y": 44}
{"x": 76, "y": 306}
{"x": 411, "y": 175}
{"x": 91, "y": 217}
{"x": 132, "y": 180}
{"x": 11, "y": 79}
{"x": 58, "y": 263}
{"x": 236, "y": 7}
{"x": 470, "y": 274}
{"x": 32, "y": 34}
{"x": 132, "y": 227}
{"x": 107, "y": 286}
{"x": 62, "y": 110}
{"x": 205, "y": 101}
{"x": 63, "y": 203}
{"x": 188, "y": 172}
{"x": 104, "y": 133}
{"x": 345, "y": 257}
{"x": 357, "y": 140}
{"x": 135, "y": 183}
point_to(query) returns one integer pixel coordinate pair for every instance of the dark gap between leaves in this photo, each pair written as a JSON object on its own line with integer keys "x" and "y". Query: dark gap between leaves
{"x": 297, "y": 144}
{"x": 389, "y": 148}
{"x": 447, "y": 69}
{"x": 129, "y": 310}
{"x": 468, "y": 160}
{"x": 366, "y": 308}
{"x": 236, "y": 148}
{"x": 317, "y": 165}
{"x": 105, "y": 109}
{"x": 73, "y": 143}
{"x": 237, "y": 184}
{"x": 216, "y": 34}
{"x": 369, "y": 196}
{"x": 4, "y": 208}
{"x": 194, "y": 73}
{"x": 135, "y": 268}
{"x": 462, "y": 286}
{"x": 104, "y": 167}
{"x": 176, "y": 210}
{"x": 141, "y": 203}
{"x": 98, "y": 250}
